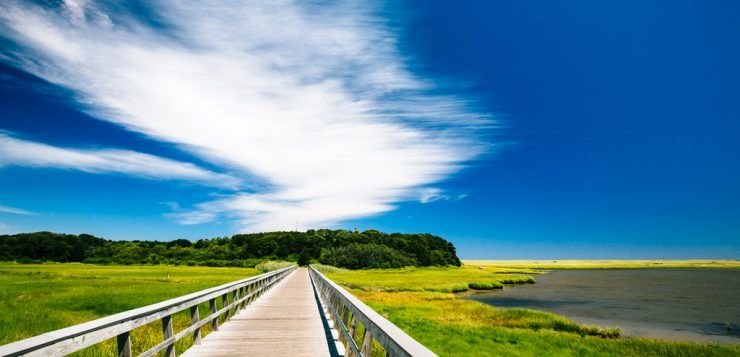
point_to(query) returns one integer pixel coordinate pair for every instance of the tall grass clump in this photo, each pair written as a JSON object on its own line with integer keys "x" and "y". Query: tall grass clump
{"x": 486, "y": 286}
{"x": 272, "y": 265}
{"x": 520, "y": 279}
{"x": 328, "y": 268}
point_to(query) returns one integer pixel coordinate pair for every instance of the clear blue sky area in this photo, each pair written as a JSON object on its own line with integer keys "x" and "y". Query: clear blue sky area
{"x": 616, "y": 135}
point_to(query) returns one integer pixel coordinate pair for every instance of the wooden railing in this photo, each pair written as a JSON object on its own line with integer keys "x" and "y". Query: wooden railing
{"x": 234, "y": 296}
{"x": 350, "y": 316}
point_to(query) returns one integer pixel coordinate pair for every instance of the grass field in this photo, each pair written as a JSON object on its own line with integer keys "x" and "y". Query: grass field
{"x": 603, "y": 264}
{"x": 421, "y": 302}
{"x": 41, "y": 298}
{"x": 431, "y": 279}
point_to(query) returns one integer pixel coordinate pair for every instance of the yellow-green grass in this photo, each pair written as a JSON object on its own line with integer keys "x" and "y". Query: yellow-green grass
{"x": 602, "y": 264}
{"x": 439, "y": 279}
{"x": 41, "y": 298}
{"x": 452, "y": 326}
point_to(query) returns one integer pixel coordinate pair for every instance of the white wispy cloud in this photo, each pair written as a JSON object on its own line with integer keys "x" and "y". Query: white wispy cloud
{"x": 314, "y": 99}
{"x": 17, "y": 152}
{"x": 14, "y": 210}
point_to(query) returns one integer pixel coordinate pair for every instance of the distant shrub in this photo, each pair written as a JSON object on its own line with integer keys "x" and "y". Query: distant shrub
{"x": 214, "y": 263}
{"x": 28, "y": 261}
{"x": 304, "y": 259}
{"x": 362, "y": 256}
{"x": 251, "y": 263}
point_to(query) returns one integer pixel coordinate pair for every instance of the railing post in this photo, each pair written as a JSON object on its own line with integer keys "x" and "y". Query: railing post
{"x": 194, "y": 319}
{"x": 124, "y": 344}
{"x": 168, "y": 332}
{"x": 235, "y": 298}
{"x": 212, "y": 306}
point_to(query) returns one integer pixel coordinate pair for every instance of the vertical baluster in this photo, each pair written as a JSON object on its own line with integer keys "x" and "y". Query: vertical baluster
{"x": 342, "y": 337}
{"x": 168, "y": 332}
{"x": 235, "y": 299}
{"x": 225, "y": 301}
{"x": 367, "y": 343}
{"x": 212, "y": 306}
{"x": 249, "y": 290}
{"x": 352, "y": 326}
{"x": 194, "y": 319}
{"x": 124, "y": 344}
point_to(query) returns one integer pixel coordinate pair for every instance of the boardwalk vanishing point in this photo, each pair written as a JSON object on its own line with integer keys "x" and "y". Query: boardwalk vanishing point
{"x": 289, "y": 312}
{"x": 286, "y": 320}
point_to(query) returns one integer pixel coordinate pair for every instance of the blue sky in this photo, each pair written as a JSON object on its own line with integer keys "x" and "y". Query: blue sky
{"x": 553, "y": 130}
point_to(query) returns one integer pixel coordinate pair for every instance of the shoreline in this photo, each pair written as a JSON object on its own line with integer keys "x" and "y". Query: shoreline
{"x": 673, "y": 305}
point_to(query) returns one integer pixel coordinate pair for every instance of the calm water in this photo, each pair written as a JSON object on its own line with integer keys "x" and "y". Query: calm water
{"x": 677, "y": 304}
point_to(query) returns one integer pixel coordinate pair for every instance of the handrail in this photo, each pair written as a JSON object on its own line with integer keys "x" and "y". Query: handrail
{"x": 74, "y": 338}
{"x": 347, "y": 310}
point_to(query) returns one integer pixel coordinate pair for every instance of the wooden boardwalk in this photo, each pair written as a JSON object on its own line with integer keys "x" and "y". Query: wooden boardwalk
{"x": 283, "y": 318}
{"x": 285, "y": 321}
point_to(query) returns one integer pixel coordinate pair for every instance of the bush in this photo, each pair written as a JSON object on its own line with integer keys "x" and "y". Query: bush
{"x": 304, "y": 259}
{"x": 361, "y": 256}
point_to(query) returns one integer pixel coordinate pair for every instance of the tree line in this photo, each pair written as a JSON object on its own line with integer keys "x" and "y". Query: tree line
{"x": 342, "y": 248}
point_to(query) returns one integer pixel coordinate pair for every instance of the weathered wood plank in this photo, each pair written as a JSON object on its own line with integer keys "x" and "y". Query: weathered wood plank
{"x": 286, "y": 320}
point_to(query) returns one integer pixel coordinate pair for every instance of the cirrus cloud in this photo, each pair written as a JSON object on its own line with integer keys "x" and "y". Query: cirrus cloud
{"x": 314, "y": 99}
{"x": 18, "y": 152}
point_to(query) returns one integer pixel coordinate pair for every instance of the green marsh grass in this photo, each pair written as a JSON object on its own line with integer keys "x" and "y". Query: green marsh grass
{"x": 486, "y": 286}
{"x": 44, "y": 297}
{"x": 420, "y": 301}
{"x": 434, "y": 279}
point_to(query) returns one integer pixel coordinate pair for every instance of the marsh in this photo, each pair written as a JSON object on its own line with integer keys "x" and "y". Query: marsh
{"x": 677, "y": 304}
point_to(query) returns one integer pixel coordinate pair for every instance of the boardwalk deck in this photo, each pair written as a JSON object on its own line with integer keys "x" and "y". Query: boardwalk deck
{"x": 285, "y": 321}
